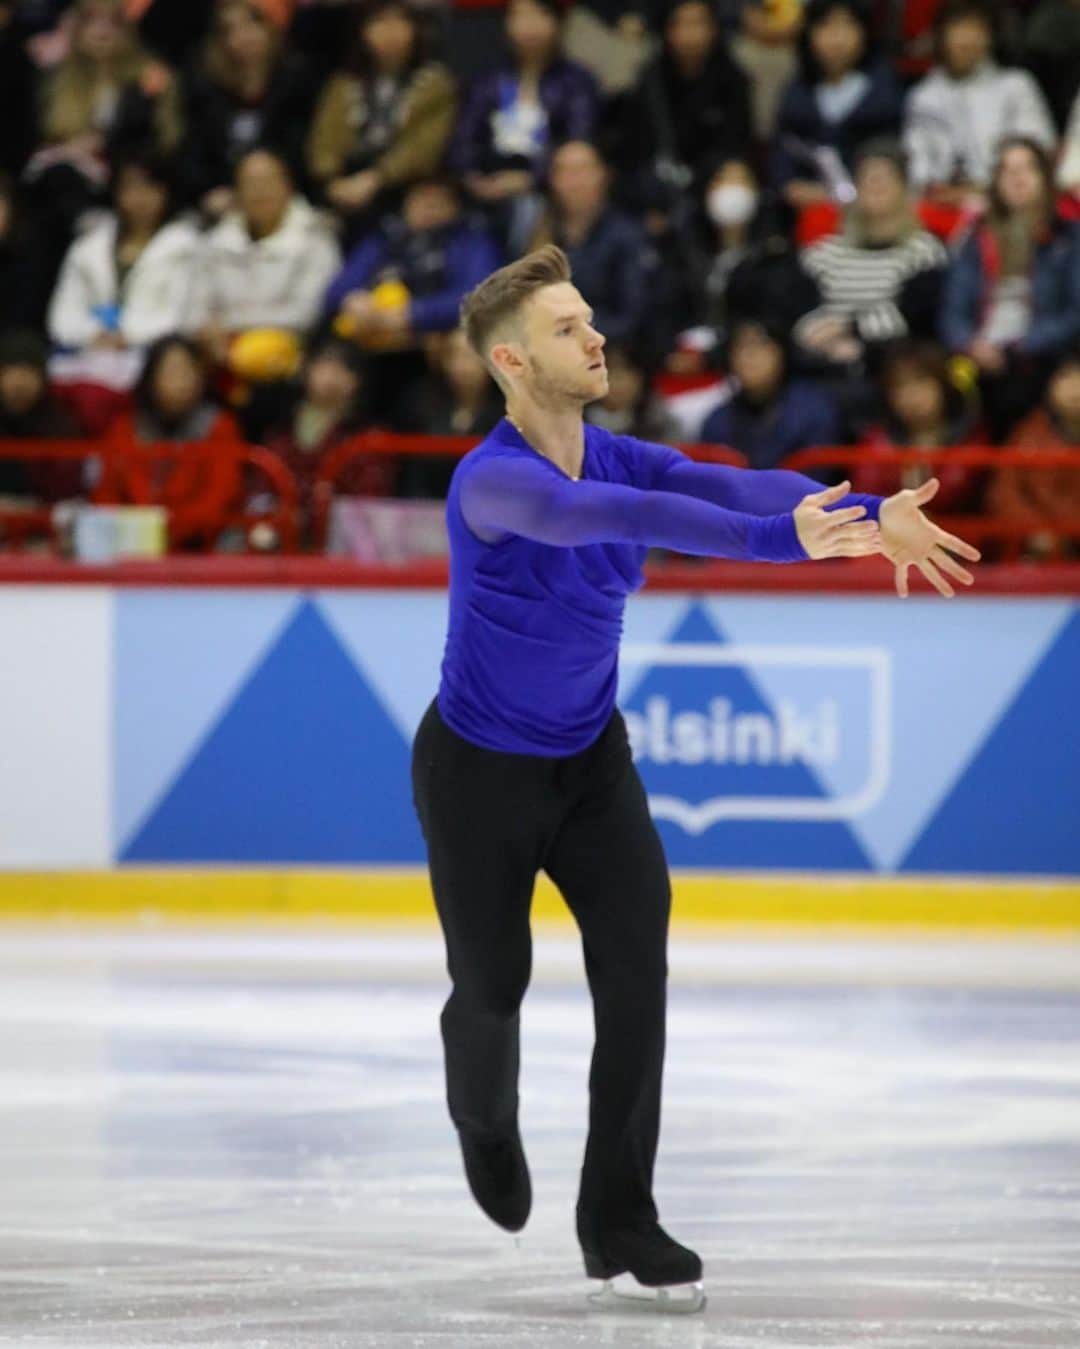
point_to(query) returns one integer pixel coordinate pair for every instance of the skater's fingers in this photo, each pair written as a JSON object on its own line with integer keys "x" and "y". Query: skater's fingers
{"x": 827, "y": 495}
{"x": 842, "y": 517}
{"x": 935, "y": 578}
{"x": 957, "y": 546}
{"x": 942, "y": 559}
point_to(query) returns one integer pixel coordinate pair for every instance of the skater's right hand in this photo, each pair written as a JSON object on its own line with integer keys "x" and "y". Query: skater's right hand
{"x": 843, "y": 533}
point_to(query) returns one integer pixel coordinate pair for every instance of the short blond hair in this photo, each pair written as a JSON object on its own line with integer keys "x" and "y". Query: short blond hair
{"x": 500, "y": 296}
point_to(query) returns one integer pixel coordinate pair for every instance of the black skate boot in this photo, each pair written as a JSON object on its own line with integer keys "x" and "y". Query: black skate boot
{"x": 498, "y": 1176}
{"x": 642, "y": 1263}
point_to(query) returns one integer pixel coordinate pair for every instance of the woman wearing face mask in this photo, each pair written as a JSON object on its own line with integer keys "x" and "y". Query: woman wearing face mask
{"x": 731, "y": 204}
{"x": 745, "y": 267}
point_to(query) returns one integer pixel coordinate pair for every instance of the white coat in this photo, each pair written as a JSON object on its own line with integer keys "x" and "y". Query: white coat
{"x": 154, "y": 299}
{"x": 274, "y": 282}
{"x": 955, "y": 126}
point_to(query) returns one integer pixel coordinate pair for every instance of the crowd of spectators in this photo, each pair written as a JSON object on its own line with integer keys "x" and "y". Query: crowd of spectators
{"x": 838, "y": 222}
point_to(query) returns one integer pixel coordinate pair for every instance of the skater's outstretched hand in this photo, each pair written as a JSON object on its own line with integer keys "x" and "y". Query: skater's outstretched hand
{"x": 840, "y": 533}
{"x": 909, "y": 539}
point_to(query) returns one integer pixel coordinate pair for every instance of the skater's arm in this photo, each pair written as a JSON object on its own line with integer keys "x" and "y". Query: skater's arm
{"x": 766, "y": 491}
{"x": 500, "y": 497}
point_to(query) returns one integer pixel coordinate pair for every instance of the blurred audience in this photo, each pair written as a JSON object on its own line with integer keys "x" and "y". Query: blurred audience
{"x": 107, "y": 96}
{"x": 513, "y": 116}
{"x": 29, "y": 410}
{"x": 127, "y": 280}
{"x": 957, "y": 116}
{"x": 691, "y": 105}
{"x": 607, "y": 248}
{"x": 844, "y": 94}
{"x": 18, "y": 91}
{"x": 267, "y": 264}
{"x": 455, "y": 397}
{"x": 248, "y": 90}
{"x": 24, "y": 283}
{"x": 1068, "y": 176}
{"x": 766, "y": 47}
{"x": 879, "y": 279}
{"x": 1012, "y": 291}
{"x": 385, "y": 119}
{"x": 201, "y": 484}
{"x": 1052, "y": 53}
{"x": 323, "y": 410}
{"x": 728, "y": 182}
{"x": 1041, "y": 497}
{"x": 628, "y": 408}
{"x": 769, "y": 413}
{"x": 924, "y": 406}
{"x": 425, "y": 259}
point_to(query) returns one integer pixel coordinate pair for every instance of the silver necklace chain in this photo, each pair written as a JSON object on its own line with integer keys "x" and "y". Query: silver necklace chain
{"x": 574, "y": 477}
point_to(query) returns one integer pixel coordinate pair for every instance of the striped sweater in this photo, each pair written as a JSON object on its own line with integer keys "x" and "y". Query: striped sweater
{"x": 864, "y": 284}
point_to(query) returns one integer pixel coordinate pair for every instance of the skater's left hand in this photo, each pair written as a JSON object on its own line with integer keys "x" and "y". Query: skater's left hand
{"x": 909, "y": 539}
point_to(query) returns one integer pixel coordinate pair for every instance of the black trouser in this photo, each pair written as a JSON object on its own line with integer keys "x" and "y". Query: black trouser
{"x": 492, "y": 821}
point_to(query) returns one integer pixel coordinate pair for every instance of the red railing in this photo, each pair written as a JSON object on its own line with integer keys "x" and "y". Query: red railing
{"x": 978, "y": 529}
{"x": 283, "y": 515}
{"x": 17, "y": 527}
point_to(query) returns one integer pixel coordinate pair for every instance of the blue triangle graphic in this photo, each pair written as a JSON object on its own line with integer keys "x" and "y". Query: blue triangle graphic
{"x": 303, "y": 766}
{"x": 1017, "y": 806}
{"x": 735, "y": 843}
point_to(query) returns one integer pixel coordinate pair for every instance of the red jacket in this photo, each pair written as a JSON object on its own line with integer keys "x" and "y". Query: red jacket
{"x": 198, "y": 489}
{"x": 959, "y": 482}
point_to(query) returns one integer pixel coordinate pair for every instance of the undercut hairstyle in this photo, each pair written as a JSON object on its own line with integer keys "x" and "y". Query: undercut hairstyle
{"x": 496, "y": 301}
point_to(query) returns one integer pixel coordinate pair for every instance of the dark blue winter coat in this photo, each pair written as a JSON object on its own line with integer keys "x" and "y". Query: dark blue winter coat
{"x": 569, "y": 96}
{"x": 437, "y": 266}
{"x": 802, "y": 416}
{"x": 612, "y": 266}
{"x": 877, "y": 113}
{"x": 1055, "y": 291}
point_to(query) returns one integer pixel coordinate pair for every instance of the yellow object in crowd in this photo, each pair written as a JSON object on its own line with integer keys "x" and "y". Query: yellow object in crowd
{"x": 386, "y": 295}
{"x": 964, "y": 373}
{"x": 263, "y": 354}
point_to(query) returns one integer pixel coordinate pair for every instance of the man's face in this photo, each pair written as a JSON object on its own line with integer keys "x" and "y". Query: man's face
{"x": 564, "y": 353}
{"x": 578, "y": 177}
{"x": 1065, "y": 393}
{"x": 263, "y": 190}
{"x": 966, "y": 43}
{"x": 429, "y": 206}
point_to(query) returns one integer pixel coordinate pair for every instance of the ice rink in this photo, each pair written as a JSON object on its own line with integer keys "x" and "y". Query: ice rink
{"x": 240, "y": 1140}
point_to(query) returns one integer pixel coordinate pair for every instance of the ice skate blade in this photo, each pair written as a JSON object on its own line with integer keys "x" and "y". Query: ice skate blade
{"x": 624, "y": 1293}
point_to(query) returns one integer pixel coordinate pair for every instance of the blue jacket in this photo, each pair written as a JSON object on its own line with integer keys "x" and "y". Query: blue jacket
{"x": 877, "y": 113}
{"x": 569, "y": 97}
{"x": 1055, "y": 291}
{"x": 612, "y": 267}
{"x": 803, "y": 416}
{"x": 437, "y": 266}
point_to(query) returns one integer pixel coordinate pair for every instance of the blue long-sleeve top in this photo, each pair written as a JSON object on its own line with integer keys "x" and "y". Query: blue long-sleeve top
{"x": 438, "y": 267}
{"x": 541, "y": 565}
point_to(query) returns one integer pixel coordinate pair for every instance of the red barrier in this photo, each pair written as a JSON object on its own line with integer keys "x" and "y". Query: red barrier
{"x": 283, "y": 518}
{"x": 866, "y": 576}
{"x": 21, "y": 526}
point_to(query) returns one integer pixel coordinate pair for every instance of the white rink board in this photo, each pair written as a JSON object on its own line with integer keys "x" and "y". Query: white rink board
{"x": 55, "y": 726}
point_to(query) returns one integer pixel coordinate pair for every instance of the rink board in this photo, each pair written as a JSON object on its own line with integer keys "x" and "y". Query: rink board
{"x": 269, "y": 729}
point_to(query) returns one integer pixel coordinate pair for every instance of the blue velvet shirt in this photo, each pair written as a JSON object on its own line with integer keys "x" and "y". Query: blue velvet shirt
{"x": 541, "y": 565}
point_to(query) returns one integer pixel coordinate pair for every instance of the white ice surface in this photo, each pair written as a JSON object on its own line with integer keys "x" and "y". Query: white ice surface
{"x": 240, "y": 1140}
